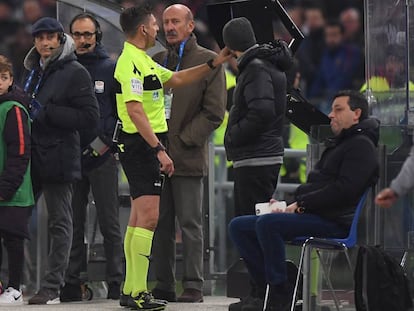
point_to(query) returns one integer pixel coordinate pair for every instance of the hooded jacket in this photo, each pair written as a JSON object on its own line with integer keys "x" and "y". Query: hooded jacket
{"x": 348, "y": 166}
{"x": 68, "y": 104}
{"x": 101, "y": 68}
{"x": 255, "y": 124}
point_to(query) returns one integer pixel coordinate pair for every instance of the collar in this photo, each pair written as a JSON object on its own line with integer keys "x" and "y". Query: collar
{"x": 239, "y": 60}
{"x": 175, "y": 48}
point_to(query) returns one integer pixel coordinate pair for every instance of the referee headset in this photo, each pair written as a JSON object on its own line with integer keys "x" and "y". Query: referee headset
{"x": 98, "y": 32}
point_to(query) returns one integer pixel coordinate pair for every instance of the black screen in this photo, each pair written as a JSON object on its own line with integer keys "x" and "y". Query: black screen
{"x": 256, "y": 11}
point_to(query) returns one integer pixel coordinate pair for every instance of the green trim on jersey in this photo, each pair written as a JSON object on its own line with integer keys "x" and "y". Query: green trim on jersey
{"x": 141, "y": 79}
{"x": 24, "y": 194}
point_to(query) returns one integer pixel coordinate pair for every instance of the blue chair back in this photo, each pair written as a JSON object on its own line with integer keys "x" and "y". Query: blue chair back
{"x": 351, "y": 239}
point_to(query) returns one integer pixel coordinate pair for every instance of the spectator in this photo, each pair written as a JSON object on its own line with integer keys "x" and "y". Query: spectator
{"x": 32, "y": 11}
{"x": 350, "y": 19}
{"x": 253, "y": 138}
{"x": 8, "y": 23}
{"x": 16, "y": 194}
{"x": 17, "y": 48}
{"x": 323, "y": 206}
{"x": 141, "y": 109}
{"x": 339, "y": 64}
{"x": 62, "y": 103}
{"x": 393, "y": 75}
{"x": 99, "y": 167}
{"x": 195, "y": 113}
{"x": 309, "y": 52}
{"x": 48, "y": 7}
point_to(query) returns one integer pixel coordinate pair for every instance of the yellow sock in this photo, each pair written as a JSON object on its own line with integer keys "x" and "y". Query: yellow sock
{"x": 141, "y": 243}
{"x": 127, "y": 289}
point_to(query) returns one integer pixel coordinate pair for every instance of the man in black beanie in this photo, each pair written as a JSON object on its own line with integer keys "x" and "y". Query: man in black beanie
{"x": 253, "y": 138}
{"x": 238, "y": 34}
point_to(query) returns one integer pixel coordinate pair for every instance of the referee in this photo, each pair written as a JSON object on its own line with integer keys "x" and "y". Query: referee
{"x": 140, "y": 105}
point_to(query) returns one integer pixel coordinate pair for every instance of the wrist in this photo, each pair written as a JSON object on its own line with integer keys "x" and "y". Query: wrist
{"x": 159, "y": 147}
{"x": 299, "y": 209}
{"x": 210, "y": 64}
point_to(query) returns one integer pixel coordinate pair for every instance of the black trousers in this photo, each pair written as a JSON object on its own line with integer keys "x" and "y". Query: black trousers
{"x": 103, "y": 182}
{"x": 253, "y": 184}
{"x": 15, "y": 254}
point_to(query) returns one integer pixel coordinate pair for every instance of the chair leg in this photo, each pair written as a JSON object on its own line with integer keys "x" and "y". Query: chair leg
{"x": 351, "y": 268}
{"x": 404, "y": 259}
{"x": 266, "y": 299}
{"x": 328, "y": 280}
{"x": 295, "y": 291}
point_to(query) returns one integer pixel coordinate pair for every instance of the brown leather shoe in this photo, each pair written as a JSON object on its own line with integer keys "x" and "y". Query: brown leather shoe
{"x": 191, "y": 295}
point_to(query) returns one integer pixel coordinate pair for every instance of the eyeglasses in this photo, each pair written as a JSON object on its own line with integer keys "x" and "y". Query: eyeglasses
{"x": 86, "y": 35}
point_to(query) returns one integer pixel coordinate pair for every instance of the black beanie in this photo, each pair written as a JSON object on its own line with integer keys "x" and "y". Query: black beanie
{"x": 238, "y": 34}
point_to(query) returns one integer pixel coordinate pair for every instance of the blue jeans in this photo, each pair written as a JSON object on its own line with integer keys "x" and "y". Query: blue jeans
{"x": 260, "y": 241}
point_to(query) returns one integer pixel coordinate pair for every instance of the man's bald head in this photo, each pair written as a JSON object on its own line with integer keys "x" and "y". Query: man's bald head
{"x": 178, "y": 23}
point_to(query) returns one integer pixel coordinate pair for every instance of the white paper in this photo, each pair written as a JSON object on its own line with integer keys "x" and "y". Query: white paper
{"x": 266, "y": 208}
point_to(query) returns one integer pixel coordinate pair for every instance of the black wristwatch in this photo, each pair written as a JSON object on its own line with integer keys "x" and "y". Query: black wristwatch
{"x": 159, "y": 147}
{"x": 299, "y": 210}
{"x": 210, "y": 64}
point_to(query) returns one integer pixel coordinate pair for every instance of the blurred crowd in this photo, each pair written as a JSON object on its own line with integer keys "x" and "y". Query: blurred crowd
{"x": 330, "y": 58}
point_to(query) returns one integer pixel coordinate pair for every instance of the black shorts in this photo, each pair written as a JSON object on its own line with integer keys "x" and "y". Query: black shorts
{"x": 140, "y": 165}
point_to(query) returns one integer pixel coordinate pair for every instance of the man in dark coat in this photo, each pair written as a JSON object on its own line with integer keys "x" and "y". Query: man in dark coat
{"x": 99, "y": 167}
{"x": 62, "y": 103}
{"x": 253, "y": 138}
{"x": 194, "y": 113}
{"x": 324, "y": 205}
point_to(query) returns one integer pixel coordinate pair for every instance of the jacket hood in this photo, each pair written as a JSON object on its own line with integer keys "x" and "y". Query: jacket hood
{"x": 98, "y": 53}
{"x": 64, "y": 51}
{"x": 15, "y": 93}
{"x": 369, "y": 127}
{"x": 277, "y": 52}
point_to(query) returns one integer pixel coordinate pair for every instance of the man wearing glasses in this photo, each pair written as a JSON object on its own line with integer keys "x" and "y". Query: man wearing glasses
{"x": 99, "y": 167}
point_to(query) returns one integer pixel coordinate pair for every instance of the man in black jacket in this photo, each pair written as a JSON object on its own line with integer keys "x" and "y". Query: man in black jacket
{"x": 253, "y": 138}
{"x": 324, "y": 206}
{"x": 99, "y": 167}
{"x": 62, "y": 103}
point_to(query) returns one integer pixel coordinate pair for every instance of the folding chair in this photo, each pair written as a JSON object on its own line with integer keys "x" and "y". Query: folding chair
{"x": 330, "y": 244}
{"x": 326, "y": 244}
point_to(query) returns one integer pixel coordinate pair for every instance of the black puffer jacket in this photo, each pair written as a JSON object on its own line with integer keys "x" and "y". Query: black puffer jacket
{"x": 68, "y": 105}
{"x": 347, "y": 167}
{"x": 255, "y": 124}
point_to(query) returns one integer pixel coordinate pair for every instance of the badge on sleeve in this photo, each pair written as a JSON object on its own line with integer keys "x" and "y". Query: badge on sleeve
{"x": 136, "y": 86}
{"x": 99, "y": 87}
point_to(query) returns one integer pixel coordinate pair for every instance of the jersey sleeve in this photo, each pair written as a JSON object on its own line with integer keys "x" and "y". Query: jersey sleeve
{"x": 132, "y": 86}
{"x": 165, "y": 74}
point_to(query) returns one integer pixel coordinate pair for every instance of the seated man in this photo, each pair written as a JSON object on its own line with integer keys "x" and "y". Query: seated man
{"x": 324, "y": 205}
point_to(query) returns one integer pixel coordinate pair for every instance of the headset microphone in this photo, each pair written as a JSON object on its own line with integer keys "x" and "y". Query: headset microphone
{"x": 86, "y": 46}
{"x": 155, "y": 37}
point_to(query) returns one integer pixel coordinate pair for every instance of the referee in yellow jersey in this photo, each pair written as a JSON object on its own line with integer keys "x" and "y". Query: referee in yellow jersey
{"x": 140, "y": 105}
